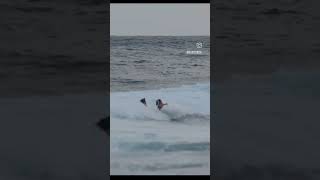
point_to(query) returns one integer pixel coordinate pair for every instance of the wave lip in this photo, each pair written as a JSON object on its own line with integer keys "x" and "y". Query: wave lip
{"x": 173, "y": 140}
{"x": 185, "y": 102}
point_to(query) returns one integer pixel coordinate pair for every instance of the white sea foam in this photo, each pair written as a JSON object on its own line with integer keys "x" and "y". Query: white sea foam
{"x": 175, "y": 140}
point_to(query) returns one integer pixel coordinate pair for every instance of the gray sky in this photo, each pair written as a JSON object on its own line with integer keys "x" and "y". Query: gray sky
{"x": 160, "y": 19}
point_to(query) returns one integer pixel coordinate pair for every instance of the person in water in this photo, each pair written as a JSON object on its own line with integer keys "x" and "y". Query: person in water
{"x": 160, "y": 104}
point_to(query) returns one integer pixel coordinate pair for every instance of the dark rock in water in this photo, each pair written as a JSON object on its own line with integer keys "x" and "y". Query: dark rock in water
{"x": 104, "y": 124}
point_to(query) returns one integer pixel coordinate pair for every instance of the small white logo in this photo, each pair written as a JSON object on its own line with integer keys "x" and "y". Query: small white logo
{"x": 199, "y": 45}
{"x": 194, "y": 52}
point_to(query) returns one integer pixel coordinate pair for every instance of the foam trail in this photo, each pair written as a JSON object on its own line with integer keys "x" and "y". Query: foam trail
{"x": 144, "y": 137}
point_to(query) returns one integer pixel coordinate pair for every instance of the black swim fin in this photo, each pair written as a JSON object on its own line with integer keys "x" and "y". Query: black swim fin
{"x": 143, "y": 101}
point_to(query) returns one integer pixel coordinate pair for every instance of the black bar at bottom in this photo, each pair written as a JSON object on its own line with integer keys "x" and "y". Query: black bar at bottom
{"x": 184, "y": 177}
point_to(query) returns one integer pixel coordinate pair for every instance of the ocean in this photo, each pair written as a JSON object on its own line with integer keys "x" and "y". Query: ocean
{"x": 144, "y": 140}
{"x": 153, "y": 62}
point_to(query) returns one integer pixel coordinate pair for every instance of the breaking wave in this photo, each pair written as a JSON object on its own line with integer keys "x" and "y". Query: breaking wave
{"x": 180, "y": 130}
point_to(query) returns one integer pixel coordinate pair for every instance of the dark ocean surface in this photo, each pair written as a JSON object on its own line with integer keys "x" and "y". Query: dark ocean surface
{"x": 151, "y": 62}
{"x": 144, "y": 140}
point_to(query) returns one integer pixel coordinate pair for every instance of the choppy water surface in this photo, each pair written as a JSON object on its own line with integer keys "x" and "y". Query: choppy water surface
{"x": 144, "y": 140}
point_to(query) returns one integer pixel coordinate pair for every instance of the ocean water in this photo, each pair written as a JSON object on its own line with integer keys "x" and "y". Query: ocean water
{"x": 175, "y": 140}
{"x": 144, "y": 140}
{"x": 150, "y": 62}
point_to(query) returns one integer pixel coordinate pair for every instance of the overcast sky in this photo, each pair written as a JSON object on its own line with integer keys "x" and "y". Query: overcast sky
{"x": 160, "y": 19}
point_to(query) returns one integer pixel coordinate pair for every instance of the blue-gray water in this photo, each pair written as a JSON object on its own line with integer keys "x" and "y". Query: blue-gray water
{"x": 150, "y": 62}
{"x": 144, "y": 140}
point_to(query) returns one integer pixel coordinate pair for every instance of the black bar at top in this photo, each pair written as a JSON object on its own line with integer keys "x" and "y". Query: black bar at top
{"x": 159, "y": 1}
